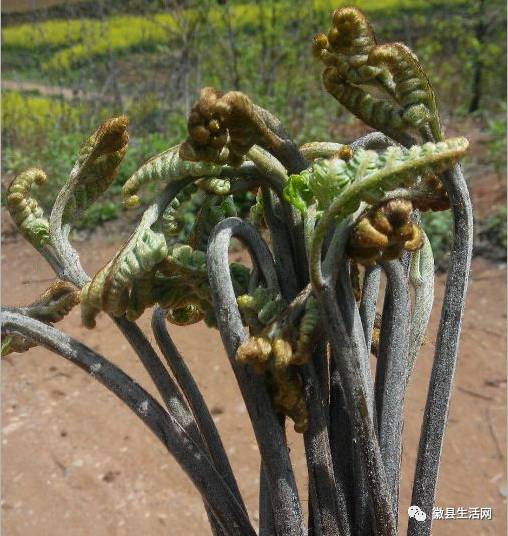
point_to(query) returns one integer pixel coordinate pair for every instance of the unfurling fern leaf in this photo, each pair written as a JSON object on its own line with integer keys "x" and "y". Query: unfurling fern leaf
{"x": 384, "y": 233}
{"x": 131, "y": 263}
{"x": 213, "y": 211}
{"x": 25, "y": 211}
{"x": 354, "y": 62}
{"x": 378, "y": 113}
{"x": 367, "y": 175}
{"x": 347, "y": 46}
{"x": 54, "y": 303}
{"x": 51, "y": 306}
{"x": 97, "y": 164}
{"x": 109, "y": 289}
{"x": 166, "y": 166}
{"x": 413, "y": 90}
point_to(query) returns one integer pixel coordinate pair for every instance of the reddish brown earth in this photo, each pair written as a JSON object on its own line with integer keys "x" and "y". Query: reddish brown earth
{"x": 76, "y": 462}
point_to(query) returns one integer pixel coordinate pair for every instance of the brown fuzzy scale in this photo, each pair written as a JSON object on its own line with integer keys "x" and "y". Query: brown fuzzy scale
{"x": 223, "y": 128}
{"x": 344, "y": 153}
{"x": 431, "y": 195}
{"x": 384, "y": 233}
{"x": 347, "y": 46}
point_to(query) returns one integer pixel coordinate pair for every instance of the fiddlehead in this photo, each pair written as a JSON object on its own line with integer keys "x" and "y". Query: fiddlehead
{"x": 370, "y": 174}
{"x": 353, "y": 59}
{"x": 224, "y": 127}
{"x": 50, "y": 307}
{"x": 347, "y": 45}
{"x": 97, "y": 163}
{"x": 25, "y": 210}
{"x": 384, "y": 233}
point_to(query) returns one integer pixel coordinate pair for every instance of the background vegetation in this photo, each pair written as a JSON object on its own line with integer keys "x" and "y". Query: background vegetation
{"x": 67, "y": 67}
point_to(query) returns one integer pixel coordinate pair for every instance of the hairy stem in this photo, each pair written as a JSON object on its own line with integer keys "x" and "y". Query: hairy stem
{"x": 421, "y": 277}
{"x": 368, "y": 302}
{"x": 391, "y": 372}
{"x": 445, "y": 356}
{"x": 195, "y": 400}
{"x": 328, "y": 501}
{"x": 285, "y": 502}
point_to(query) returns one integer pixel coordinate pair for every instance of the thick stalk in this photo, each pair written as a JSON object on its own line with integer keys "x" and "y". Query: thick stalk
{"x": 347, "y": 342}
{"x": 445, "y": 356}
{"x": 421, "y": 277}
{"x": 368, "y": 302}
{"x": 352, "y": 382}
{"x": 328, "y": 501}
{"x": 196, "y": 402}
{"x": 286, "y": 506}
{"x": 391, "y": 372}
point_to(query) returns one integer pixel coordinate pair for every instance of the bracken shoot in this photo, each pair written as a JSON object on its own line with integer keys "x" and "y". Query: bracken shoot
{"x": 299, "y": 323}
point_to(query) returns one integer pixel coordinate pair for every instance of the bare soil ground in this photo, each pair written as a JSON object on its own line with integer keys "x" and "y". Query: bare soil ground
{"x": 76, "y": 462}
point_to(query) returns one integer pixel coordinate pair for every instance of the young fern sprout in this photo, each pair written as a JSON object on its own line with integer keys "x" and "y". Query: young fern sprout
{"x": 299, "y": 321}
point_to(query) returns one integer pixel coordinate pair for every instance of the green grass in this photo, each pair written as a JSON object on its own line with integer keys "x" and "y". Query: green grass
{"x": 71, "y": 42}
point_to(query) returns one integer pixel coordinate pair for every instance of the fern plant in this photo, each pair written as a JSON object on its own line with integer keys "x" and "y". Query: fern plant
{"x": 299, "y": 325}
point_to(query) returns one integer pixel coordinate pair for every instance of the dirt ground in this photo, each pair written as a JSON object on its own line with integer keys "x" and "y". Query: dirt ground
{"x": 76, "y": 462}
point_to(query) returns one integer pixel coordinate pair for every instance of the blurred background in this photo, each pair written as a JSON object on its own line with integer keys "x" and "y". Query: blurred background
{"x": 68, "y": 65}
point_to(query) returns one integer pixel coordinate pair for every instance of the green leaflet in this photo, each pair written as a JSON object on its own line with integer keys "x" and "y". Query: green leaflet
{"x": 215, "y": 186}
{"x": 165, "y": 166}
{"x": 378, "y": 113}
{"x": 413, "y": 90}
{"x": 261, "y": 307}
{"x": 298, "y": 191}
{"x": 25, "y": 211}
{"x": 375, "y": 174}
{"x": 213, "y": 211}
{"x": 109, "y": 289}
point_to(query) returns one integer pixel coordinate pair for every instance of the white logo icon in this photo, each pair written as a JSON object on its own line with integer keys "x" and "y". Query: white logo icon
{"x": 417, "y": 513}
